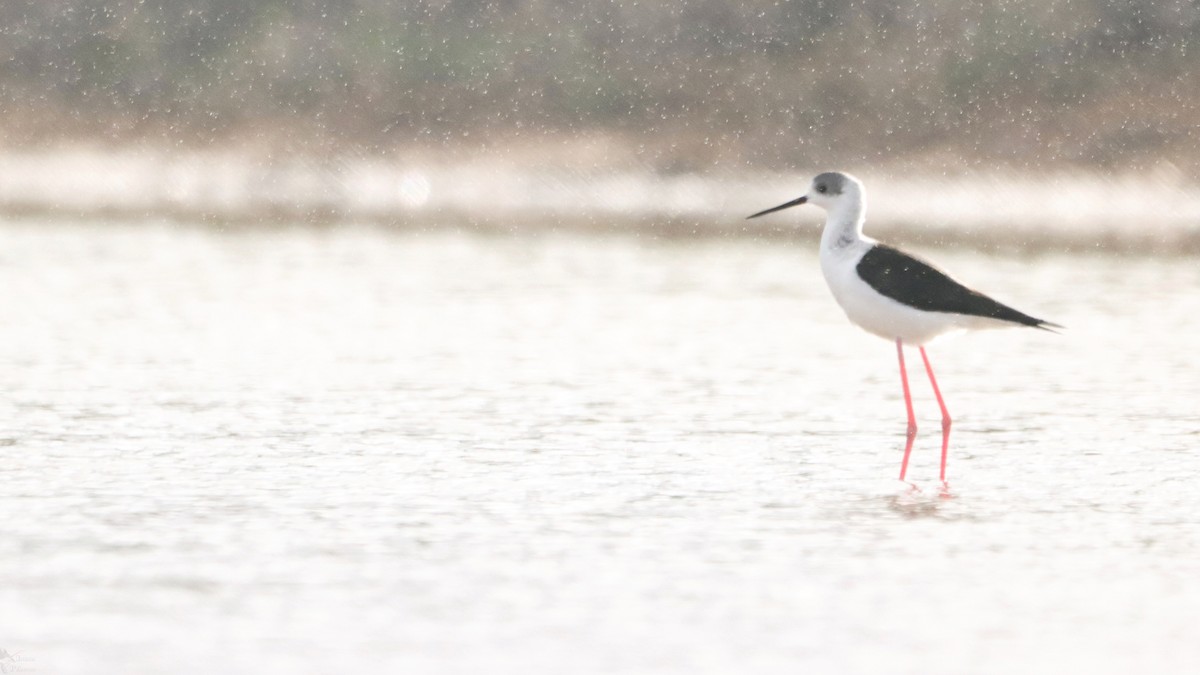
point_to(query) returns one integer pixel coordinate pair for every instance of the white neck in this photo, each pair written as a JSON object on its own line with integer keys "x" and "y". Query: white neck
{"x": 844, "y": 224}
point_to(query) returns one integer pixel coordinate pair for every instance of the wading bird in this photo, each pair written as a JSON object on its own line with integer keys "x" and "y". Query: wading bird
{"x": 893, "y": 294}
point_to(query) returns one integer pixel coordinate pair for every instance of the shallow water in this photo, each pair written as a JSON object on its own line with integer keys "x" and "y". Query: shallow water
{"x": 352, "y": 450}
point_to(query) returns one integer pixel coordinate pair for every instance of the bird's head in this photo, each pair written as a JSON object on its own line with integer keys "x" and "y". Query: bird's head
{"x": 827, "y": 190}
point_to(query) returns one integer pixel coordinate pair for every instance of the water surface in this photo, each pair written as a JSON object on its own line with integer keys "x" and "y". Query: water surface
{"x": 355, "y": 450}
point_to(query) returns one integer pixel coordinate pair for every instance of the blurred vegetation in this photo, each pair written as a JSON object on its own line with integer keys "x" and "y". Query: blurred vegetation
{"x": 686, "y": 84}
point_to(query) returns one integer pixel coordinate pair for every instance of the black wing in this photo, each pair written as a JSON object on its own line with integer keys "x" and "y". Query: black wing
{"x": 918, "y": 284}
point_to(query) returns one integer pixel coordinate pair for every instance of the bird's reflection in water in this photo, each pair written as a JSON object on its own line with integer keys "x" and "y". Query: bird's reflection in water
{"x": 913, "y": 503}
{"x": 913, "y": 509}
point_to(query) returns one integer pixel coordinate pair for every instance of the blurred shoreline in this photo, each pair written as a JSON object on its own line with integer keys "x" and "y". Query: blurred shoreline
{"x": 1155, "y": 211}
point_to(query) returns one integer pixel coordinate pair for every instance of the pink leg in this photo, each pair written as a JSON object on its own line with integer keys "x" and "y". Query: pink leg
{"x": 945, "y": 414}
{"x": 912, "y": 421}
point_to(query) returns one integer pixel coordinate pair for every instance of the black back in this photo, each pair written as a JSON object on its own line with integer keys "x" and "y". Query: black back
{"x": 918, "y": 284}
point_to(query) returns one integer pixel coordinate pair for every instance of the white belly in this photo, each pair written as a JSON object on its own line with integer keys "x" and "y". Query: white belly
{"x": 882, "y": 316}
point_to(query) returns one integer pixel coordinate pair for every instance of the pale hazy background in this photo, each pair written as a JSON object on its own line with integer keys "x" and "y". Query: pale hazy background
{"x": 1066, "y": 114}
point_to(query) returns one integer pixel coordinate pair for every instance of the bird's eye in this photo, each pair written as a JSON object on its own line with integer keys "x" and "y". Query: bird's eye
{"x": 821, "y": 189}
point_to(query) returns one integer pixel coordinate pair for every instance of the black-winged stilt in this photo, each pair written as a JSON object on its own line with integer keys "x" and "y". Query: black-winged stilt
{"x": 895, "y": 295}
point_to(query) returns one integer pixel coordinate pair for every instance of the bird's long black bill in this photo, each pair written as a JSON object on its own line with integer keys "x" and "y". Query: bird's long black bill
{"x": 773, "y": 209}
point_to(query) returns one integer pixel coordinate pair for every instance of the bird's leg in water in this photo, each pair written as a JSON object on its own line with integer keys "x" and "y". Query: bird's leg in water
{"x": 912, "y": 420}
{"x": 946, "y": 421}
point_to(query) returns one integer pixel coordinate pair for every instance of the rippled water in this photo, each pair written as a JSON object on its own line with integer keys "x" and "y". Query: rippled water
{"x": 349, "y": 450}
